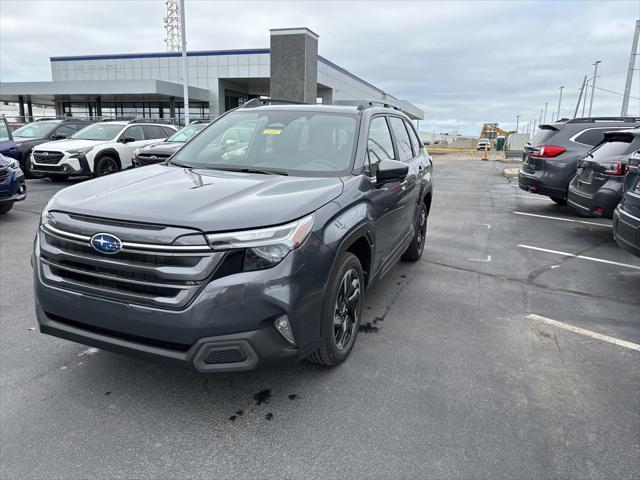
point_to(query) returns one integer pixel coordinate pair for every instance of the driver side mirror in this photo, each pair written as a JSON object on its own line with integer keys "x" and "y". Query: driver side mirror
{"x": 391, "y": 170}
{"x": 230, "y": 142}
{"x": 58, "y": 136}
{"x": 127, "y": 140}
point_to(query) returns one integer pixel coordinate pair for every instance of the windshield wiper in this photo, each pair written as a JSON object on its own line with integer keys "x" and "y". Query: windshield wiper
{"x": 250, "y": 170}
{"x": 178, "y": 164}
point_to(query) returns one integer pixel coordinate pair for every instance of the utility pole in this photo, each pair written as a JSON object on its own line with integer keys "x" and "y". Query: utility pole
{"x": 584, "y": 100}
{"x": 185, "y": 67}
{"x": 593, "y": 84}
{"x": 632, "y": 61}
{"x": 546, "y": 104}
{"x": 517, "y": 122}
{"x": 560, "y": 101}
{"x": 584, "y": 83}
{"x": 540, "y": 122}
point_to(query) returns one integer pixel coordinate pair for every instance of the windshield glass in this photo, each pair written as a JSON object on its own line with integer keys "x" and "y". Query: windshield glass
{"x": 35, "y": 130}
{"x": 288, "y": 141}
{"x": 186, "y": 133}
{"x": 98, "y": 131}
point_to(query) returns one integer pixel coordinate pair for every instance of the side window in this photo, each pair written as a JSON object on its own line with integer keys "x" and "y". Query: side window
{"x": 402, "y": 139}
{"x": 415, "y": 141}
{"x": 592, "y": 136}
{"x": 379, "y": 144}
{"x": 134, "y": 132}
{"x": 4, "y": 131}
{"x": 152, "y": 131}
{"x": 67, "y": 130}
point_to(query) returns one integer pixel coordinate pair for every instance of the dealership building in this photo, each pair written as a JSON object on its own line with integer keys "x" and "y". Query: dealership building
{"x": 150, "y": 84}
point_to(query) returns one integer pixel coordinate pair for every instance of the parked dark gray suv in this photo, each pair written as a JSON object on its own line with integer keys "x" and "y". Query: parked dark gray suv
{"x": 550, "y": 160}
{"x": 228, "y": 259}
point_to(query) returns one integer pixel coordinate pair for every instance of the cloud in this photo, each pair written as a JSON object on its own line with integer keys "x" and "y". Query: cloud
{"x": 463, "y": 62}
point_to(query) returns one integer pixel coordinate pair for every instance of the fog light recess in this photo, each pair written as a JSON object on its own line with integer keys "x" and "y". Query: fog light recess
{"x": 284, "y": 328}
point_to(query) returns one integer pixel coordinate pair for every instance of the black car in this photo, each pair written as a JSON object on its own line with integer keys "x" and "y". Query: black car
{"x": 598, "y": 186}
{"x": 38, "y": 132}
{"x": 159, "y": 152}
{"x": 626, "y": 216}
{"x": 550, "y": 160}
{"x": 240, "y": 257}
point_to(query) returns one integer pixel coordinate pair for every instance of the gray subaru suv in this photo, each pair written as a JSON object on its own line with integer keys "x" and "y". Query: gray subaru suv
{"x": 235, "y": 256}
{"x": 550, "y": 160}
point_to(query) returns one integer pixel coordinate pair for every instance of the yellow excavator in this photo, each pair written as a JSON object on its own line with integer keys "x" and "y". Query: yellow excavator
{"x": 495, "y": 135}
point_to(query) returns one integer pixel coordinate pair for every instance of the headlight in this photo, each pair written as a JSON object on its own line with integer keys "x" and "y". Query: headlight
{"x": 264, "y": 247}
{"x": 45, "y": 218}
{"x": 14, "y": 164}
{"x": 80, "y": 151}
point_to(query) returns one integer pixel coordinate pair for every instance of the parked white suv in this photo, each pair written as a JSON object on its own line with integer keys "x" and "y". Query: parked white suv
{"x": 99, "y": 149}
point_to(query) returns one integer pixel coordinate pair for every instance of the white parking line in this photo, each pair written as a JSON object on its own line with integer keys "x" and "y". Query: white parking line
{"x": 583, "y": 257}
{"x": 582, "y": 331}
{"x": 563, "y": 219}
{"x": 539, "y": 197}
{"x": 488, "y": 259}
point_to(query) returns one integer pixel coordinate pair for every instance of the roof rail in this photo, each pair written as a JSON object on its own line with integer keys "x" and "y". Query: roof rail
{"x": 604, "y": 119}
{"x": 117, "y": 119}
{"x": 258, "y": 102}
{"x": 150, "y": 120}
{"x": 362, "y": 104}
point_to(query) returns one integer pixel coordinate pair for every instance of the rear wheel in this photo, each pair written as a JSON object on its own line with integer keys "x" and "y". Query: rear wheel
{"x": 5, "y": 208}
{"x": 105, "y": 166}
{"x": 414, "y": 251}
{"x": 341, "y": 312}
{"x": 559, "y": 200}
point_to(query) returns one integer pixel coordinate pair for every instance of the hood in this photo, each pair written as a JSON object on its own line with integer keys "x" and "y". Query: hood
{"x": 162, "y": 148}
{"x": 68, "y": 144}
{"x": 209, "y": 200}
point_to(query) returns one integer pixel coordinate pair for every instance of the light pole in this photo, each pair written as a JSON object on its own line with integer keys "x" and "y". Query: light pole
{"x": 540, "y": 122}
{"x": 546, "y": 104}
{"x": 560, "y": 101}
{"x": 185, "y": 68}
{"x": 517, "y": 122}
{"x": 593, "y": 84}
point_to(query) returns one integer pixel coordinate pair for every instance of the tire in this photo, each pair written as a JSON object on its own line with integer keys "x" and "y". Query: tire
{"x": 559, "y": 200}
{"x": 106, "y": 165}
{"x": 340, "y": 320}
{"x": 414, "y": 251}
{"x": 5, "y": 208}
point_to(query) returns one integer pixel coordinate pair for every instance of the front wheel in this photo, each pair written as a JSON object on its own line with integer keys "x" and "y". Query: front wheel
{"x": 414, "y": 251}
{"x": 106, "y": 166}
{"x": 5, "y": 208}
{"x": 341, "y": 311}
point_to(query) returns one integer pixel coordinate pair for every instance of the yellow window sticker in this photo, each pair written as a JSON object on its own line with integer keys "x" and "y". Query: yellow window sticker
{"x": 271, "y": 131}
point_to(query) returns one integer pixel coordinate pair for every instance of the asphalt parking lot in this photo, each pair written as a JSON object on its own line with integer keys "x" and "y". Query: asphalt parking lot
{"x": 458, "y": 375}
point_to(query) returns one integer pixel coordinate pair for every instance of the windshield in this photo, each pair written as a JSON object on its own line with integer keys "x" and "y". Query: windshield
{"x": 35, "y": 130}
{"x": 98, "y": 131}
{"x": 186, "y": 133}
{"x": 292, "y": 142}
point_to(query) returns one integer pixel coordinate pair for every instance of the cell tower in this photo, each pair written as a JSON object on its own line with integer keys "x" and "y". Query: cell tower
{"x": 173, "y": 26}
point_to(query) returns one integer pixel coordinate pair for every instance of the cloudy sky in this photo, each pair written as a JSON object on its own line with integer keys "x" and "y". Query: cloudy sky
{"x": 462, "y": 62}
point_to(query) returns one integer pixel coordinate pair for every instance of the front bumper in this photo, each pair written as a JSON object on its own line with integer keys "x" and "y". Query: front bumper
{"x": 600, "y": 204}
{"x": 76, "y": 165}
{"x": 14, "y": 190}
{"x": 536, "y": 184}
{"x": 232, "y": 317}
{"x": 626, "y": 231}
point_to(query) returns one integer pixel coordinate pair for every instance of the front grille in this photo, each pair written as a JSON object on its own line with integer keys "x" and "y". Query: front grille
{"x": 4, "y": 174}
{"x": 151, "y": 159}
{"x": 225, "y": 355}
{"x": 4, "y": 194}
{"x": 47, "y": 157}
{"x": 165, "y": 279}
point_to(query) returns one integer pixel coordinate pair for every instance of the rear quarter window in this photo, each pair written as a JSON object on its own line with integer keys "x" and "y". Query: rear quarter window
{"x": 592, "y": 136}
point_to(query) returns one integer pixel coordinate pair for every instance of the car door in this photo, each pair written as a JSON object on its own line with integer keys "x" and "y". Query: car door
{"x": 130, "y": 139}
{"x": 412, "y": 181}
{"x": 8, "y": 147}
{"x": 387, "y": 200}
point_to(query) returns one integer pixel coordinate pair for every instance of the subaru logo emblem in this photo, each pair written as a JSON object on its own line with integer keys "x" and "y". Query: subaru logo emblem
{"x": 153, "y": 157}
{"x": 106, "y": 243}
{"x": 45, "y": 154}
